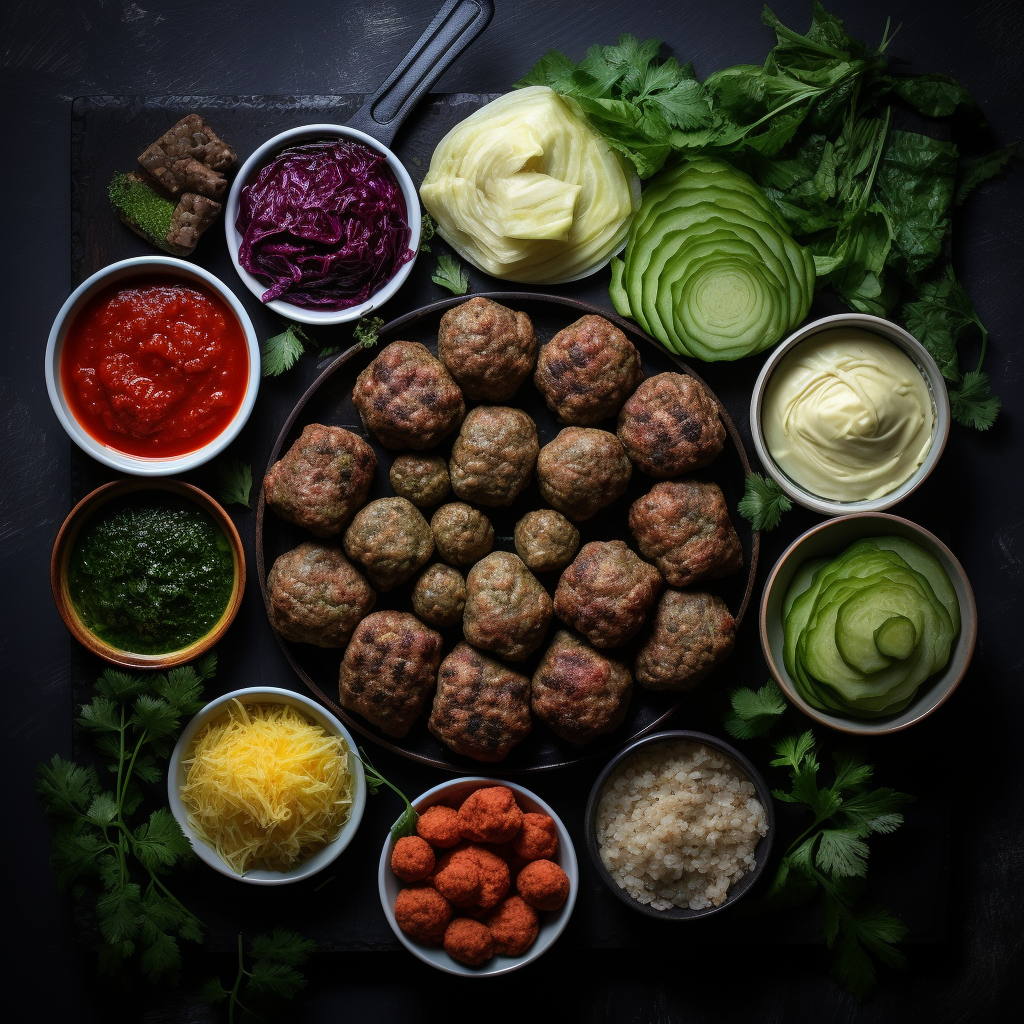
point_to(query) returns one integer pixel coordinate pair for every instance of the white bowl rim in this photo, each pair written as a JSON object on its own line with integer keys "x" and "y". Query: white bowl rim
{"x": 885, "y": 725}
{"x": 499, "y": 964}
{"x": 260, "y": 156}
{"x": 268, "y": 695}
{"x": 901, "y": 338}
{"x": 133, "y": 464}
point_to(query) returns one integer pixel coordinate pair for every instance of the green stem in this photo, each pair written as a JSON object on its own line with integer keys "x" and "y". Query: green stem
{"x": 238, "y": 982}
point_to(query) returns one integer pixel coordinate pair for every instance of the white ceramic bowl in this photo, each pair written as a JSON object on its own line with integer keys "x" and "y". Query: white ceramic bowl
{"x": 315, "y": 712}
{"x": 918, "y": 354}
{"x": 123, "y": 273}
{"x": 827, "y": 540}
{"x": 551, "y": 923}
{"x": 263, "y": 156}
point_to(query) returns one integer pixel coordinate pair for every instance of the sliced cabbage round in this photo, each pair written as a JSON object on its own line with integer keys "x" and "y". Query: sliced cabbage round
{"x": 710, "y": 268}
{"x": 525, "y": 191}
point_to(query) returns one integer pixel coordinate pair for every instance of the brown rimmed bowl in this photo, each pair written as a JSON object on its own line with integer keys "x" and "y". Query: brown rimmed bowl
{"x": 829, "y": 539}
{"x": 61, "y": 558}
{"x": 736, "y": 890}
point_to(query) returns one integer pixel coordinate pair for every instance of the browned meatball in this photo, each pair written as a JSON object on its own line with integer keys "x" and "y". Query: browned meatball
{"x": 606, "y": 593}
{"x": 463, "y": 534}
{"x": 440, "y": 595}
{"x": 423, "y": 479}
{"x": 322, "y": 480}
{"x": 482, "y": 707}
{"x": 546, "y": 540}
{"x": 389, "y": 670}
{"x": 683, "y": 527}
{"x": 578, "y": 692}
{"x": 587, "y": 371}
{"x": 670, "y": 425}
{"x": 316, "y": 596}
{"x": 507, "y": 610}
{"x": 582, "y": 471}
{"x": 494, "y": 454}
{"x": 690, "y": 635}
{"x": 407, "y": 398}
{"x": 391, "y": 539}
{"x": 489, "y": 349}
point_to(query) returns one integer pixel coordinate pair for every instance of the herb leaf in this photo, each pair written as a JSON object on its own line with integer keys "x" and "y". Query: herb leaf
{"x": 282, "y": 351}
{"x": 367, "y": 331}
{"x": 972, "y": 403}
{"x": 449, "y": 274}
{"x": 763, "y": 503}
{"x": 974, "y": 172}
{"x": 406, "y": 824}
{"x": 754, "y": 714}
{"x": 234, "y": 482}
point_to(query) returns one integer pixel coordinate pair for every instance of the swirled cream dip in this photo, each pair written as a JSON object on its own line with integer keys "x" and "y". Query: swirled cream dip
{"x": 847, "y": 415}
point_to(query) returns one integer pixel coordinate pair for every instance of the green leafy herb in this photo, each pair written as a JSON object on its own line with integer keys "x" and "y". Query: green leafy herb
{"x": 406, "y": 824}
{"x": 428, "y": 229}
{"x": 282, "y": 351}
{"x": 449, "y": 274}
{"x": 973, "y": 172}
{"x": 367, "y": 331}
{"x": 763, "y": 503}
{"x": 234, "y": 482}
{"x": 272, "y": 974}
{"x": 754, "y": 714}
{"x": 112, "y": 858}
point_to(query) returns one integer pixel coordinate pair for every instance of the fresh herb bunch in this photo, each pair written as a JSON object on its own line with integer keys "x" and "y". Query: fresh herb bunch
{"x": 449, "y": 274}
{"x": 763, "y": 503}
{"x": 367, "y": 331}
{"x": 406, "y": 823}
{"x": 272, "y": 974}
{"x": 814, "y": 126}
{"x": 234, "y": 482}
{"x": 282, "y": 351}
{"x": 111, "y": 859}
{"x": 830, "y": 857}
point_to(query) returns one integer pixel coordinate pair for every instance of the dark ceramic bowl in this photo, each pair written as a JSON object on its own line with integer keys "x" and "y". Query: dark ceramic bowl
{"x": 761, "y": 851}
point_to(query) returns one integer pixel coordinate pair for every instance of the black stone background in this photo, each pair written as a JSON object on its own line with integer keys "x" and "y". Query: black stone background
{"x": 953, "y": 871}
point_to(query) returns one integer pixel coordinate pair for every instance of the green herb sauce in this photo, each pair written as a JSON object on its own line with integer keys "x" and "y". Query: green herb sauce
{"x": 151, "y": 576}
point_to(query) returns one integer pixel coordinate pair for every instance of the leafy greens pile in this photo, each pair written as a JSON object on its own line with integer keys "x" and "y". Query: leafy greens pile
{"x": 814, "y": 127}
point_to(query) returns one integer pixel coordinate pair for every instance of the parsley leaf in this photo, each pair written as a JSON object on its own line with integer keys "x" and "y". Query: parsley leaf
{"x": 406, "y": 823}
{"x": 234, "y": 482}
{"x": 282, "y": 351}
{"x": 367, "y": 331}
{"x": 763, "y": 503}
{"x": 449, "y": 274}
{"x": 972, "y": 403}
{"x": 974, "y": 172}
{"x": 754, "y": 714}
{"x": 428, "y": 228}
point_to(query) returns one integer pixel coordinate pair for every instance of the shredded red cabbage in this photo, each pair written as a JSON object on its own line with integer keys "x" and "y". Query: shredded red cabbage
{"x": 326, "y": 223}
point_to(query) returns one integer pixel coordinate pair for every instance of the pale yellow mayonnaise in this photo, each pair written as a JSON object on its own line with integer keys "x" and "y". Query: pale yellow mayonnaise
{"x": 847, "y": 415}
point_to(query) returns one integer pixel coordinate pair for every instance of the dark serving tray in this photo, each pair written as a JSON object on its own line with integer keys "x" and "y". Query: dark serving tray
{"x": 340, "y": 909}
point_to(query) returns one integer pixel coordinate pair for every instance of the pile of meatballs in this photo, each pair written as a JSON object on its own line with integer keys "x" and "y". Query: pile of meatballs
{"x": 479, "y": 700}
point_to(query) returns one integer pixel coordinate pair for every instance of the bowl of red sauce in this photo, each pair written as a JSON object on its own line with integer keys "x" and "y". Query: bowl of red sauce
{"x": 152, "y": 366}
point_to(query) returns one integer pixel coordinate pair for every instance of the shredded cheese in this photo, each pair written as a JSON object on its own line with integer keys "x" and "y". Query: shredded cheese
{"x": 265, "y": 788}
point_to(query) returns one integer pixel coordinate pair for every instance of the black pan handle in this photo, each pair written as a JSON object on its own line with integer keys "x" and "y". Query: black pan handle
{"x": 455, "y": 26}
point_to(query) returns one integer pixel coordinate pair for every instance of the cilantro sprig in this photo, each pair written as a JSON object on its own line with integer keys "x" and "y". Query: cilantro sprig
{"x": 112, "y": 858}
{"x": 234, "y": 482}
{"x": 406, "y": 823}
{"x": 763, "y": 503}
{"x": 449, "y": 274}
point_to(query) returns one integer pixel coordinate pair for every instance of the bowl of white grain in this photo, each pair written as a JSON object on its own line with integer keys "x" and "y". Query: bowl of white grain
{"x": 679, "y": 825}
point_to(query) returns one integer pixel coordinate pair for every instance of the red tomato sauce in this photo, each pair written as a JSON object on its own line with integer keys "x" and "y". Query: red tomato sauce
{"x": 157, "y": 369}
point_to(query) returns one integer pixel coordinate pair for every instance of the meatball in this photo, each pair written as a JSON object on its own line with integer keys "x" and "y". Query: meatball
{"x": 670, "y": 425}
{"x": 463, "y": 534}
{"x": 482, "y": 708}
{"x": 507, "y": 610}
{"x": 583, "y": 470}
{"x": 513, "y": 925}
{"x": 423, "y": 914}
{"x": 412, "y": 859}
{"x": 690, "y": 635}
{"x": 546, "y": 540}
{"x": 439, "y": 826}
{"x": 578, "y": 692}
{"x": 472, "y": 876}
{"x": 407, "y": 398}
{"x": 322, "y": 480}
{"x": 439, "y": 596}
{"x": 537, "y": 839}
{"x": 468, "y": 941}
{"x": 315, "y": 596}
{"x": 389, "y": 670}
{"x": 606, "y": 593}
{"x": 683, "y": 527}
{"x": 423, "y": 479}
{"x": 494, "y": 454}
{"x": 587, "y": 371}
{"x": 488, "y": 349}
{"x": 490, "y": 815}
{"x": 543, "y": 884}
{"x": 391, "y": 539}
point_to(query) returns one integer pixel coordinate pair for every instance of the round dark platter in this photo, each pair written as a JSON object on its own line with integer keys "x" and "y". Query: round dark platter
{"x": 329, "y": 400}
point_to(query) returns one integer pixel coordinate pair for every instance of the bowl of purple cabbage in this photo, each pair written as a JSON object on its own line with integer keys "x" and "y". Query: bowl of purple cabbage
{"x": 323, "y": 224}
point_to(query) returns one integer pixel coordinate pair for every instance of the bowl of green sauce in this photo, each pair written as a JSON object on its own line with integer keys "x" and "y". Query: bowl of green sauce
{"x": 148, "y": 573}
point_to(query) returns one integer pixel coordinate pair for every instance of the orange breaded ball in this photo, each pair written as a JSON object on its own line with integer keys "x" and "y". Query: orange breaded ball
{"x": 537, "y": 839}
{"x": 423, "y": 914}
{"x": 468, "y": 941}
{"x": 412, "y": 859}
{"x": 459, "y": 869}
{"x": 514, "y": 926}
{"x": 439, "y": 826}
{"x": 490, "y": 815}
{"x": 543, "y": 884}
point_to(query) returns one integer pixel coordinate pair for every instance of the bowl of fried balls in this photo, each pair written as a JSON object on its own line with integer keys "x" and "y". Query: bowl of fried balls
{"x": 485, "y": 884}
